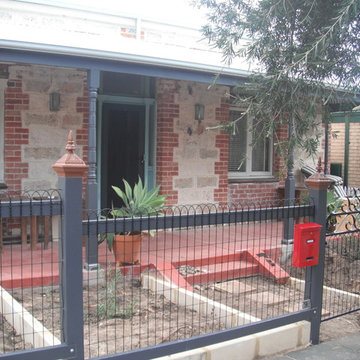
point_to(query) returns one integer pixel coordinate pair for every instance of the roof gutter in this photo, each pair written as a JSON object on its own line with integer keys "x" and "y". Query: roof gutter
{"x": 115, "y": 56}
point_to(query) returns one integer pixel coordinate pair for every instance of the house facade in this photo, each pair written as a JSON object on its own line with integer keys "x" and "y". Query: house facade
{"x": 137, "y": 95}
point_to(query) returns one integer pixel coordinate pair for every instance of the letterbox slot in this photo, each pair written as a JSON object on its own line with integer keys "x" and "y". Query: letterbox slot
{"x": 310, "y": 258}
{"x": 309, "y": 241}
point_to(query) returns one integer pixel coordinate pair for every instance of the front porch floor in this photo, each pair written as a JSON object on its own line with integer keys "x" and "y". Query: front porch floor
{"x": 185, "y": 257}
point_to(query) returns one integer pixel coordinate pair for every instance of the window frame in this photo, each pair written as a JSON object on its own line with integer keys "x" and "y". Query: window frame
{"x": 239, "y": 175}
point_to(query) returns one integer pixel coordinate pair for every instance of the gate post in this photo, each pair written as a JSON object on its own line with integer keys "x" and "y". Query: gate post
{"x": 70, "y": 170}
{"x": 318, "y": 184}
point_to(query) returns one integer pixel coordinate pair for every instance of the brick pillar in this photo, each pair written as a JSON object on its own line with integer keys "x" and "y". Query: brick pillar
{"x": 15, "y": 135}
{"x": 222, "y": 143}
{"x": 167, "y": 139}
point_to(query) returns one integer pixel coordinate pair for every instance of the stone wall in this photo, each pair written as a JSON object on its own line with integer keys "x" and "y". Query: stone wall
{"x": 191, "y": 161}
{"x": 35, "y": 136}
{"x": 191, "y": 164}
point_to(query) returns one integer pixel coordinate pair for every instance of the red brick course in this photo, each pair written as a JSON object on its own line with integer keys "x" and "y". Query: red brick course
{"x": 222, "y": 143}
{"x": 15, "y": 135}
{"x": 81, "y": 135}
{"x": 253, "y": 193}
{"x": 167, "y": 139}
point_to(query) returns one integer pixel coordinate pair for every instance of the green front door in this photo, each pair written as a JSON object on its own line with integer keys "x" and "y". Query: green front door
{"x": 126, "y": 145}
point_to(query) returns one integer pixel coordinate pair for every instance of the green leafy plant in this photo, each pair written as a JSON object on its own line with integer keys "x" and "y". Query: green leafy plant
{"x": 333, "y": 205}
{"x": 108, "y": 305}
{"x": 138, "y": 202}
{"x": 295, "y": 50}
{"x": 112, "y": 304}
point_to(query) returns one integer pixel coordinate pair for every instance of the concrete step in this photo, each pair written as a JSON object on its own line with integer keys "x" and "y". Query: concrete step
{"x": 222, "y": 271}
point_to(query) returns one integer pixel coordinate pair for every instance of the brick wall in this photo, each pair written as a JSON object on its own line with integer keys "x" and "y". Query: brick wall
{"x": 82, "y": 134}
{"x": 252, "y": 192}
{"x": 221, "y": 166}
{"x": 15, "y": 134}
{"x": 337, "y": 153}
{"x": 257, "y": 190}
{"x": 34, "y": 136}
{"x": 167, "y": 139}
{"x": 191, "y": 162}
{"x": 354, "y": 151}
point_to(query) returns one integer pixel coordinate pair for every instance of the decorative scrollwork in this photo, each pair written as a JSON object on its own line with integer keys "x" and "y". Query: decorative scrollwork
{"x": 344, "y": 215}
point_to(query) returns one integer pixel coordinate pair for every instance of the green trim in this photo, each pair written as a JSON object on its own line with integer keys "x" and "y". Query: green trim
{"x": 149, "y": 104}
{"x": 347, "y": 150}
{"x": 339, "y": 117}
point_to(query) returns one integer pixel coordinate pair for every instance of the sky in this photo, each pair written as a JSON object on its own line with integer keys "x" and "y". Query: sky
{"x": 173, "y": 11}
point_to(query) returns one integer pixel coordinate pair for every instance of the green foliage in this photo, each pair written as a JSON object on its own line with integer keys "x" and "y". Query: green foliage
{"x": 333, "y": 205}
{"x": 111, "y": 304}
{"x": 138, "y": 202}
{"x": 299, "y": 50}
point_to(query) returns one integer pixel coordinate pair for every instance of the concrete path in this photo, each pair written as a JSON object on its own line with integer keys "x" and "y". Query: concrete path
{"x": 346, "y": 348}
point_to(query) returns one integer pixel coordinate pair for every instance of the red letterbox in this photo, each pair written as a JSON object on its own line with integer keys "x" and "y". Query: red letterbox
{"x": 306, "y": 244}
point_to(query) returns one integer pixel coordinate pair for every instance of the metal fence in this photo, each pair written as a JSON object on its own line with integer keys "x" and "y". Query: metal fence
{"x": 342, "y": 258}
{"x": 29, "y": 270}
{"x": 204, "y": 269}
{"x": 202, "y": 275}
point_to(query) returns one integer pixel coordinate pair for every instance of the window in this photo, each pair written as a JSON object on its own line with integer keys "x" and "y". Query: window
{"x": 127, "y": 85}
{"x": 246, "y": 160}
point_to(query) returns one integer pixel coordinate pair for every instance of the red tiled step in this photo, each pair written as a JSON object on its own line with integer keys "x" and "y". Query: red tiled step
{"x": 222, "y": 271}
{"x": 268, "y": 267}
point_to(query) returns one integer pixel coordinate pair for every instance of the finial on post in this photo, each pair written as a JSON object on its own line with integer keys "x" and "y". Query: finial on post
{"x": 319, "y": 167}
{"x": 319, "y": 179}
{"x": 70, "y": 147}
{"x": 70, "y": 165}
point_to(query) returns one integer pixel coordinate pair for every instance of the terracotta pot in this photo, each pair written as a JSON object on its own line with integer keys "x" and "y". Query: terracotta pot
{"x": 126, "y": 249}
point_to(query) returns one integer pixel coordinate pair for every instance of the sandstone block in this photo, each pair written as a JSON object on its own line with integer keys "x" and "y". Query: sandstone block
{"x": 37, "y": 85}
{"x": 208, "y": 153}
{"x": 41, "y": 153}
{"x": 40, "y": 119}
{"x": 206, "y": 181}
{"x": 183, "y": 183}
{"x": 71, "y": 120}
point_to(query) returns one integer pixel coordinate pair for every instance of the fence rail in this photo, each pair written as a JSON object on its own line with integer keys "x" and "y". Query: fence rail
{"x": 191, "y": 216}
{"x": 210, "y": 273}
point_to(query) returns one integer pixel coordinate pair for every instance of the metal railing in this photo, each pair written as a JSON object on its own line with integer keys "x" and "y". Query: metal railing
{"x": 209, "y": 274}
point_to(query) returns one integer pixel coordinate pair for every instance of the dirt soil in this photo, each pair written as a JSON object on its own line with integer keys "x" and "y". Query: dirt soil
{"x": 116, "y": 321}
{"x": 9, "y": 340}
{"x": 123, "y": 316}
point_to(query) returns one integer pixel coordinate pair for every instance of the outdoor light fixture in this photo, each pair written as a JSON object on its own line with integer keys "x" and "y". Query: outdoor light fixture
{"x": 199, "y": 112}
{"x": 54, "y": 103}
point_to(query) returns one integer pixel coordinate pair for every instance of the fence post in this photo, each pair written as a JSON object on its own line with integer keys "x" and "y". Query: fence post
{"x": 70, "y": 170}
{"x": 318, "y": 184}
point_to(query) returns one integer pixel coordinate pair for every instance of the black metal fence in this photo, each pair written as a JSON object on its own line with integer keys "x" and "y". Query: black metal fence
{"x": 342, "y": 258}
{"x": 201, "y": 275}
{"x": 204, "y": 269}
{"x": 29, "y": 270}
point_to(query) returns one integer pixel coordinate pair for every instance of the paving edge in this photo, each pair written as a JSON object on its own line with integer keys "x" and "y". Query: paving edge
{"x": 201, "y": 304}
{"x": 265, "y": 343}
{"x": 28, "y": 327}
{"x": 300, "y": 285}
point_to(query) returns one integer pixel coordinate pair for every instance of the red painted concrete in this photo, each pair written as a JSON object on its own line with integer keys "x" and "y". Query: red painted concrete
{"x": 221, "y": 252}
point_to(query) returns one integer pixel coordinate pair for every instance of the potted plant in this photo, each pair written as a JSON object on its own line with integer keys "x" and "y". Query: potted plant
{"x": 138, "y": 202}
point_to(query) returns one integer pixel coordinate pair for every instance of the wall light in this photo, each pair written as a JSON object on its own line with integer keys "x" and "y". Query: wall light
{"x": 54, "y": 103}
{"x": 199, "y": 112}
